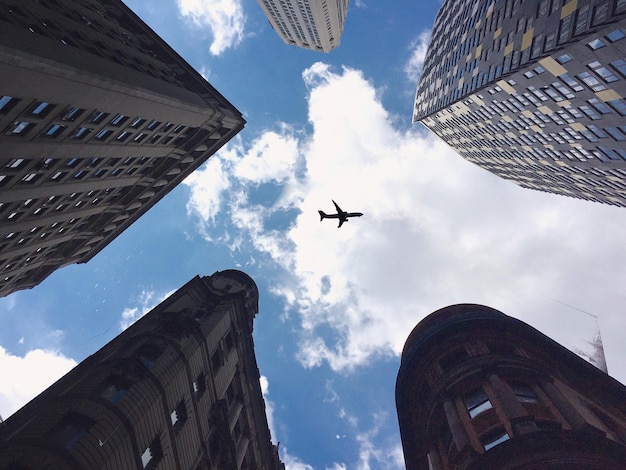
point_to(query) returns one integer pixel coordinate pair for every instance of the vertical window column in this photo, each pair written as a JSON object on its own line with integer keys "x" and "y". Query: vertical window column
{"x": 459, "y": 434}
{"x": 521, "y": 421}
{"x": 563, "y": 405}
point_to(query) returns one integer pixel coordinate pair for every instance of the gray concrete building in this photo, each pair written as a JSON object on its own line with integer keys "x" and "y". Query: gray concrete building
{"x": 311, "y": 24}
{"x": 532, "y": 91}
{"x": 178, "y": 389}
{"x": 99, "y": 119}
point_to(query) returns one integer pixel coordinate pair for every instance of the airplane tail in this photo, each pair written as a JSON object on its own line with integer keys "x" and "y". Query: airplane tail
{"x": 322, "y": 215}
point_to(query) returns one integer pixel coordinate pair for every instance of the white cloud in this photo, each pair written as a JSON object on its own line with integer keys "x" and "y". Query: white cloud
{"x": 224, "y": 18}
{"x": 419, "y": 47}
{"x": 269, "y": 407}
{"x": 291, "y": 462}
{"x": 437, "y": 230}
{"x": 36, "y": 370}
{"x": 147, "y": 300}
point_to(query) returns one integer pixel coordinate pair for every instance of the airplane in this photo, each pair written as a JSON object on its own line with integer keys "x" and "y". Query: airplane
{"x": 341, "y": 215}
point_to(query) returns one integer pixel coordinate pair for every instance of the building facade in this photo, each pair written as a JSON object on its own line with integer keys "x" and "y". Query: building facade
{"x": 99, "y": 119}
{"x": 311, "y": 24}
{"x": 179, "y": 389}
{"x": 480, "y": 390}
{"x": 533, "y": 91}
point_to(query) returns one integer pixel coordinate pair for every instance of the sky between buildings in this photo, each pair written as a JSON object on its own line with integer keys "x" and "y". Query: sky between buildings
{"x": 336, "y": 305}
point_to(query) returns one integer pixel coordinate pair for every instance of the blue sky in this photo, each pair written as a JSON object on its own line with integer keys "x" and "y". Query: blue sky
{"x": 336, "y": 305}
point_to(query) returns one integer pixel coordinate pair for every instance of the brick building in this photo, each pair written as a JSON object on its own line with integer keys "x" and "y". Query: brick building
{"x": 480, "y": 390}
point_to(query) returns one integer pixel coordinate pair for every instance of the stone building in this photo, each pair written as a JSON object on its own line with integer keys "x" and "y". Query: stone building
{"x": 99, "y": 119}
{"x": 178, "y": 389}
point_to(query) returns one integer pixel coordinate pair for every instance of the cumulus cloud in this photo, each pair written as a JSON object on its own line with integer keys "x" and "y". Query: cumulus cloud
{"x": 437, "y": 230}
{"x": 419, "y": 47}
{"x": 147, "y": 300}
{"x": 36, "y": 370}
{"x": 224, "y": 19}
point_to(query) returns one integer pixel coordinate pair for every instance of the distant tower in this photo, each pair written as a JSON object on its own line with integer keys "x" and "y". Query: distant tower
{"x": 532, "y": 91}
{"x": 480, "y": 390}
{"x": 99, "y": 119}
{"x": 311, "y": 24}
{"x": 179, "y": 389}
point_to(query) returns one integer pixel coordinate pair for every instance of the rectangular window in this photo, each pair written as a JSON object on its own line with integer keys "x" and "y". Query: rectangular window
{"x": 6, "y": 103}
{"x": 199, "y": 386}
{"x": 41, "y": 108}
{"x": 71, "y": 114}
{"x": 494, "y": 438}
{"x": 619, "y": 106}
{"x": 599, "y": 105}
{"x": 119, "y": 120}
{"x": 524, "y": 393}
{"x": 151, "y": 456}
{"x": 476, "y": 402}
{"x": 178, "y": 416}
{"x": 20, "y": 128}
{"x": 54, "y": 130}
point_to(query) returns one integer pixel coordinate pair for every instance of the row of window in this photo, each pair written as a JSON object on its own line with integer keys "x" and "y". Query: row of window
{"x": 136, "y": 130}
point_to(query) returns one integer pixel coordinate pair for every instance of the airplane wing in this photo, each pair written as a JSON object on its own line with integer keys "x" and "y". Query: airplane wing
{"x": 339, "y": 211}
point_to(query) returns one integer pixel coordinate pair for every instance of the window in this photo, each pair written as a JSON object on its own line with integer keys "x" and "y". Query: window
{"x": 179, "y": 416}
{"x": 103, "y": 134}
{"x": 81, "y": 133}
{"x": 217, "y": 359}
{"x": 476, "y": 402}
{"x": 6, "y": 103}
{"x": 620, "y": 66}
{"x": 599, "y": 105}
{"x": 72, "y": 113}
{"x": 54, "y": 130}
{"x": 72, "y": 428}
{"x": 148, "y": 354}
{"x": 97, "y": 117}
{"x": 41, "y": 108}
{"x": 591, "y": 81}
{"x": 619, "y": 106}
{"x": 615, "y": 35}
{"x": 153, "y": 453}
{"x": 138, "y": 122}
{"x": 199, "y": 386}
{"x": 20, "y": 128}
{"x": 564, "y": 59}
{"x": 596, "y": 44}
{"x": 115, "y": 388}
{"x": 613, "y": 132}
{"x": 602, "y": 71}
{"x": 524, "y": 393}
{"x": 494, "y": 438}
{"x": 119, "y": 120}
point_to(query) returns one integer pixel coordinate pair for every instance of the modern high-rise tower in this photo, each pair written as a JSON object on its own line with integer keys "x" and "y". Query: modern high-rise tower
{"x": 311, "y": 24}
{"x": 99, "y": 119}
{"x": 532, "y": 91}
{"x": 480, "y": 390}
{"x": 179, "y": 389}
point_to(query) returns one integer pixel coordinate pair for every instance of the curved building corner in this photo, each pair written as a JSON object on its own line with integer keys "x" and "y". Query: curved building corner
{"x": 478, "y": 389}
